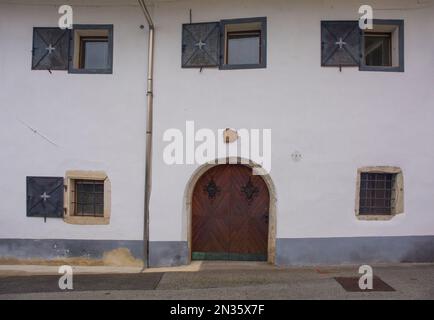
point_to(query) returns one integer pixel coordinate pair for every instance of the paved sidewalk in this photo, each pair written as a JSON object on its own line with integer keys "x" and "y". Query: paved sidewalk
{"x": 215, "y": 281}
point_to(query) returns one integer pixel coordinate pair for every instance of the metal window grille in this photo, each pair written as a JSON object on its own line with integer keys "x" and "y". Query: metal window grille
{"x": 89, "y": 198}
{"x": 376, "y": 193}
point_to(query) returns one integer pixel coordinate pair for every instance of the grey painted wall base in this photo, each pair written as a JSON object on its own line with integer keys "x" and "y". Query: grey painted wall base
{"x": 327, "y": 251}
{"x": 161, "y": 253}
{"x": 168, "y": 253}
{"x": 64, "y": 248}
{"x": 302, "y": 251}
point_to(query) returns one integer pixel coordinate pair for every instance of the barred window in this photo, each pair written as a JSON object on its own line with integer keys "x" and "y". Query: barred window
{"x": 379, "y": 193}
{"x": 89, "y": 198}
{"x": 376, "y": 191}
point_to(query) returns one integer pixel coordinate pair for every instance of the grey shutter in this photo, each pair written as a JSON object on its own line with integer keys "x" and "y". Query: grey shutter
{"x": 45, "y": 197}
{"x": 340, "y": 43}
{"x": 201, "y": 45}
{"x": 50, "y": 49}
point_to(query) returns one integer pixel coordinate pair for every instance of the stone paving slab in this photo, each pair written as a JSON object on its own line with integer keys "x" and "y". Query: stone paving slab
{"x": 106, "y": 282}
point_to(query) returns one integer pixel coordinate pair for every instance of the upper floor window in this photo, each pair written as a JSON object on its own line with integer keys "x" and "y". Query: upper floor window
{"x": 383, "y": 46}
{"x": 344, "y": 44}
{"x": 243, "y": 47}
{"x": 228, "y": 44}
{"x": 244, "y": 43}
{"x": 93, "y": 52}
{"x": 378, "y": 49}
{"x": 91, "y": 49}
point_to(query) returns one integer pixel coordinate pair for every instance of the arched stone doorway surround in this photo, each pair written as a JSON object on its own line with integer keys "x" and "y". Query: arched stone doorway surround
{"x": 188, "y": 195}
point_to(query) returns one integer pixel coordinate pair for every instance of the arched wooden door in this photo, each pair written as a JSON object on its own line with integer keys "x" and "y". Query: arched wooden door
{"x": 230, "y": 212}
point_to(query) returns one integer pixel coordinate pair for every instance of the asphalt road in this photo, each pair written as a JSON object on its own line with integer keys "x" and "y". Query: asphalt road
{"x": 407, "y": 281}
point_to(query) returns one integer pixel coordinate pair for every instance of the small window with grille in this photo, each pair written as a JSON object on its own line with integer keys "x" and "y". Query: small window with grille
{"x": 379, "y": 192}
{"x": 376, "y": 193}
{"x": 88, "y": 197}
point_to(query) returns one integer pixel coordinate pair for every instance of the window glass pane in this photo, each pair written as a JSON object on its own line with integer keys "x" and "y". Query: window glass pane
{"x": 95, "y": 54}
{"x": 99, "y": 187}
{"x": 378, "y": 49}
{"x": 87, "y": 209}
{"x": 99, "y": 198}
{"x": 84, "y": 197}
{"x": 243, "y": 49}
{"x": 84, "y": 187}
{"x": 99, "y": 210}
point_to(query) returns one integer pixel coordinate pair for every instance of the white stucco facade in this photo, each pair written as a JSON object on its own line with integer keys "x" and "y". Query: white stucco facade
{"x": 91, "y": 118}
{"x": 338, "y": 121}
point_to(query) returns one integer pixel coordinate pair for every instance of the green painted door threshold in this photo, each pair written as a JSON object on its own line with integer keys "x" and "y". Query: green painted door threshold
{"x": 226, "y": 256}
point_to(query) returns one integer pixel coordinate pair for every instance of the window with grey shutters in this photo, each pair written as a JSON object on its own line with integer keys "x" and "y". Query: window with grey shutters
{"x": 340, "y": 43}
{"x": 45, "y": 197}
{"x": 50, "y": 49}
{"x": 201, "y": 45}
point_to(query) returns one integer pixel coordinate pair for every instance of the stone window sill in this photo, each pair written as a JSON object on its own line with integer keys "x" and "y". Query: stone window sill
{"x": 87, "y": 220}
{"x": 375, "y": 217}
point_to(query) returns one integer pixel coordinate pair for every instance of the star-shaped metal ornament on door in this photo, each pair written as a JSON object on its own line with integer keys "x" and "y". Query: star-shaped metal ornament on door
{"x": 250, "y": 190}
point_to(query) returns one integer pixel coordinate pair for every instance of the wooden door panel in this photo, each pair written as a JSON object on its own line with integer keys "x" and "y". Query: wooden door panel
{"x": 250, "y": 202}
{"x": 230, "y": 215}
{"x": 210, "y": 205}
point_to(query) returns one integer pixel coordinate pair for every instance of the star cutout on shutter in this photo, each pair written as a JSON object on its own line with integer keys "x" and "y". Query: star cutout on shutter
{"x": 200, "y": 44}
{"x": 50, "y": 49}
{"x": 45, "y": 196}
{"x": 340, "y": 43}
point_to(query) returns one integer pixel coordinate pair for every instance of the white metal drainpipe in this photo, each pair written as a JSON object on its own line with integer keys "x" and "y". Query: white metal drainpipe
{"x": 149, "y": 123}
